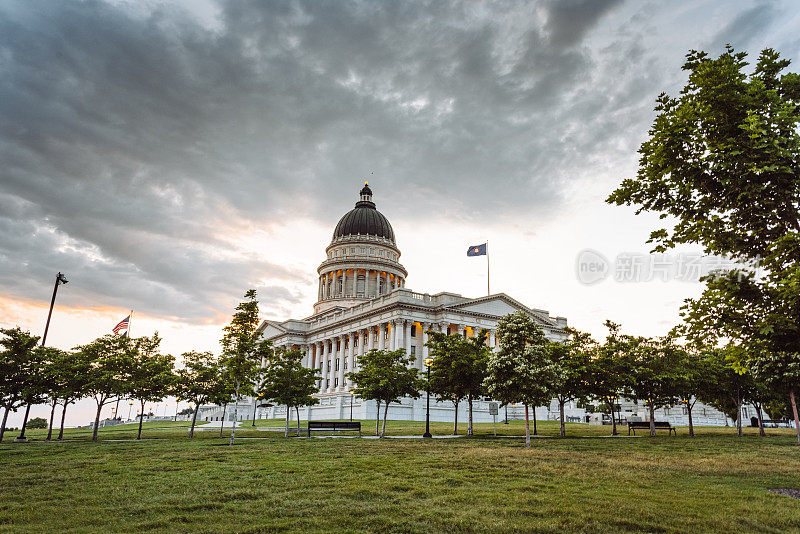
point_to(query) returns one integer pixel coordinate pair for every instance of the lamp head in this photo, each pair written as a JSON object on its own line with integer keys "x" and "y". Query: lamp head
{"x": 428, "y": 362}
{"x": 62, "y": 279}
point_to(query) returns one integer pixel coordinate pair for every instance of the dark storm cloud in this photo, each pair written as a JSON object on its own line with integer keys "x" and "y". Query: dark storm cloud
{"x": 136, "y": 142}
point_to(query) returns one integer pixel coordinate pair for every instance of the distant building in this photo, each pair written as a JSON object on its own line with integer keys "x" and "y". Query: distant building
{"x": 363, "y": 303}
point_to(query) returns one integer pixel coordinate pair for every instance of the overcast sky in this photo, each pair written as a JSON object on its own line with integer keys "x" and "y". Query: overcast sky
{"x": 167, "y": 156}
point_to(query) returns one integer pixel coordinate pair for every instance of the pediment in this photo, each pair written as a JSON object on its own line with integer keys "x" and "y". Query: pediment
{"x": 501, "y": 305}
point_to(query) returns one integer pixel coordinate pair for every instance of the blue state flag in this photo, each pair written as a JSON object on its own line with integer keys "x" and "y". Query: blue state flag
{"x": 477, "y": 250}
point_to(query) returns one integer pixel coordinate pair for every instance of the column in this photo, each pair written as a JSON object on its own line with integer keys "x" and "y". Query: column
{"x": 392, "y": 334}
{"x": 491, "y": 339}
{"x": 381, "y": 340}
{"x": 351, "y": 358}
{"x": 342, "y": 354}
{"x": 407, "y": 337}
{"x": 370, "y": 339}
{"x": 355, "y": 282}
{"x": 319, "y": 289}
{"x": 321, "y": 364}
{"x": 425, "y": 327}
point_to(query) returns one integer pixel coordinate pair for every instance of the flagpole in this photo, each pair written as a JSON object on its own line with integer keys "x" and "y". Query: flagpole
{"x": 130, "y": 320}
{"x": 488, "y": 292}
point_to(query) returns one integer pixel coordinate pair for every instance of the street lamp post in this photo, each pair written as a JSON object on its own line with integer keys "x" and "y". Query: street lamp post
{"x": 130, "y": 406}
{"x": 352, "y": 400}
{"x": 60, "y": 279}
{"x": 427, "y": 434}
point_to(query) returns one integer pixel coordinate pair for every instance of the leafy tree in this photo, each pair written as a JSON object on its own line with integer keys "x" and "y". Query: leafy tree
{"x": 733, "y": 385}
{"x": 37, "y": 423}
{"x": 242, "y": 351}
{"x": 287, "y": 381}
{"x": 18, "y": 367}
{"x": 572, "y": 359}
{"x": 723, "y": 161}
{"x": 386, "y": 376}
{"x": 74, "y": 374}
{"x": 458, "y": 369}
{"x": 150, "y": 376}
{"x": 54, "y": 380}
{"x": 780, "y": 371}
{"x": 696, "y": 378}
{"x": 108, "y": 370}
{"x": 609, "y": 371}
{"x": 198, "y": 382}
{"x": 521, "y": 370}
{"x": 655, "y": 372}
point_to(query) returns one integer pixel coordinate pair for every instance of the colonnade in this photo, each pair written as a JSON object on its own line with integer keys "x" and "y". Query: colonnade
{"x": 361, "y": 283}
{"x": 337, "y": 355}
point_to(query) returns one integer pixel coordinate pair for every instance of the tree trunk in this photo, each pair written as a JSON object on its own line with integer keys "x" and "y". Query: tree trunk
{"x": 535, "y": 430}
{"x": 141, "y": 418}
{"x": 235, "y": 413}
{"x": 255, "y": 408}
{"x": 97, "y": 420}
{"x": 194, "y": 420}
{"x": 738, "y": 418}
{"x": 286, "y": 432}
{"x": 222, "y": 424}
{"x": 527, "y": 428}
{"x": 63, "y": 415}
{"x": 378, "y": 418}
{"x": 24, "y": 422}
{"x": 794, "y": 409}
{"x": 385, "y": 415}
{"x": 689, "y": 406}
{"x": 3, "y": 426}
{"x": 455, "y": 418}
{"x": 613, "y": 419}
{"x": 50, "y": 426}
{"x": 652, "y": 420}
{"x": 561, "y": 417}
{"x": 469, "y": 428}
{"x": 761, "y": 432}
{"x": 297, "y": 411}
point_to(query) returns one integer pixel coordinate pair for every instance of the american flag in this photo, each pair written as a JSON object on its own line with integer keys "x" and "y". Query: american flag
{"x": 122, "y": 325}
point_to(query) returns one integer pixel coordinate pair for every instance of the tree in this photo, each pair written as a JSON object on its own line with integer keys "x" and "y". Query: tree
{"x": 75, "y": 372}
{"x": 733, "y": 385}
{"x": 448, "y": 353}
{"x": 521, "y": 370}
{"x": 572, "y": 359}
{"x": 780, "y": 371}
{"x": 286, "y": 381}
{"x": 199, "y": 381}
{"x": 54, "y": 380}
{"x": 37, "y": 423}
{"x": 655, "y": 370}
{"x": 386, "y": 376}
{"x": 609, "y": 371}
{"x": 151, "y": 376}
{"x": 18, "y": 371}
{"x": 696, "y": 378}
{"x": 109, "y": 359}
{"x": 723, "y": 162}
{"x": 242, "y": 351}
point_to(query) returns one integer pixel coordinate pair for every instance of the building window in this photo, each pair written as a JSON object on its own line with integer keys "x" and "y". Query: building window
{"x": 329, "y": 365}
{"x": 335, "y": 382}
{"x": 345, "y": 364}
{"x": 413, "y": 350}
{"x": 338, "y": 345}
{"x": 386, "y": 333}
{"x": 346, "y": 342}
{"x": 372, "y": 252}
{"x": 352, "y": 250}
{"x": 380, "y": 253}
{"x": 337, "y": 364}
{"x": 327, "y": 382}
{"x": 413, "y": 330}
{"x": 363, "y": 250}
{"x": 355, "y": 341}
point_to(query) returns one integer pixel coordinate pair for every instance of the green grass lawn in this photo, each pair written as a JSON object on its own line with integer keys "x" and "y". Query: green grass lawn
{"x": 714, "y": 482}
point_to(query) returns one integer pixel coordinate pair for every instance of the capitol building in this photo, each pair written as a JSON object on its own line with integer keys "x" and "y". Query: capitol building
{"x": 363, "y": 303}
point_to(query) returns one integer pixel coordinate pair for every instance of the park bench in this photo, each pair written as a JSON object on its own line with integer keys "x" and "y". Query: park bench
{"x": 645, "y": 425}
{"x": 335, "y": 426}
